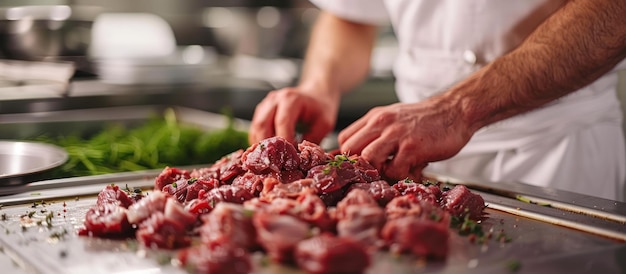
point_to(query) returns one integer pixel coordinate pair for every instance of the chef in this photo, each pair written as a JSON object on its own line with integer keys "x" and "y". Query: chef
{"x": 518, "y": 91}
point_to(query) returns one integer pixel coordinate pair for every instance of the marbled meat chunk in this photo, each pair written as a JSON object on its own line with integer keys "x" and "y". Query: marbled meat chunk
{"x": 362, "y": 224}
{"x": 154, "y": 202}
{"x": 230, "y": 224}
{"x": 251, "y": 182}
{"x": 158, "y": 231}
{"x": 272, "y": 188}
{"x": 107, "y": 221}
{"x": 112, "y": 194}
{"x": 273, "y": 154}
{"x": 224, "y": 169}
{"x": 460, "y": 201}
{"x": 327, "y": 253}
{"x": 196, "y": 185}
{"x": 333, "y": 177}
{"x": 380, "y": 190}
{"x": 168, "y": 176}
{"x": 175, "y": 211}
{"x": 422, "y": 237}
{"x": 226, "y": 193}
{"x": 357, "y": 197}
{"x": 312, "y": 155}
{"x": 279, "y": 234}
{"x": 217, "y": 259}
{"x": 430, "y": 193}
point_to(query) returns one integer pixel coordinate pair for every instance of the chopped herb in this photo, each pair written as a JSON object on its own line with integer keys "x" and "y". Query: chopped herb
{"x": 191, "y": 181}
{"x": 112, "y": 184}
{"x": 132, "y": 245}
{"x": 528, "y": 200}
{"x": 164, "y": 259}
{"x": 127, "y": 189}
{"x": 262, "y": 146}
{"x": 248, "y": 213}
{"x": 63, "y": 253}
{"x": 513, "y": 265}
{"x": 408, "y": 181}
{"x": 337, "y": 162}
{"x": 39, "y": 222}
{"x": 503, "y": 238}
{"x": 264, "y": 261}
{"x": 24, "y": 228}
{"x": 435, "y": 217}
{"x": 174, "y": 185}
{"x": 137, "y": 190}
{"x": 76, "y": 199}
{"x": 35, "y": 193}
{"x": 467, "y": 226}
{"x": 340, "y": 159}
{"x": 49, "y": 217}
{"x": 212, "y": 203}
{"x": 1, "y": 205}
{"x": 31, "y": 214}
{"x": 429, "y": 183}
{"x": 190, "y": 268}
{"x": 4, "y": 217}
{"x": 58, "y": 235}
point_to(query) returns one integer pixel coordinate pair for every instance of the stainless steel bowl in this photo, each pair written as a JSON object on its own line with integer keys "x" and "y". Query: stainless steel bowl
{"x": 18, "y": 158}
{"x": 40, "y": 33}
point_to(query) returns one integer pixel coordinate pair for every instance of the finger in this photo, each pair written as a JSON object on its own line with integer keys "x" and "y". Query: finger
{"x": 262, "y": 125}
{"x": 405, "y": 159}
{"x": 285, "y": 119}
{"x": 401, "y": 165}
{"x": 316, "y": 133}
{"x": 350, "y": 130}
{"x": 415, "y": 173}
{"x": 356, "y": 142}
{"x": 377, "y": 153}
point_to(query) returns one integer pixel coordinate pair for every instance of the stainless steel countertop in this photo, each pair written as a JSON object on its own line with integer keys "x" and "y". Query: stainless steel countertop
{"x": 540, "y": 243}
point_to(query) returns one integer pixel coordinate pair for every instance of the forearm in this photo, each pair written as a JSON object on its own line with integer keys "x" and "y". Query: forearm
{"x": 575, "y": 46}
{"x": 338, "y": 56}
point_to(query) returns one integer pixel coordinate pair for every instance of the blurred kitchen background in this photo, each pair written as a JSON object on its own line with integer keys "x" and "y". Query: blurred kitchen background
{"x": 206, "y": 54}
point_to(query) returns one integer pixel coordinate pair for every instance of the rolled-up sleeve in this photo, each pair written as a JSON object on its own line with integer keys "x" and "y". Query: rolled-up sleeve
{"x": 361, "y": 11}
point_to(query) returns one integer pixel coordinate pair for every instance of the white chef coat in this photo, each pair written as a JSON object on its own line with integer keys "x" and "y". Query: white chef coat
{"x": 575, "y": 143}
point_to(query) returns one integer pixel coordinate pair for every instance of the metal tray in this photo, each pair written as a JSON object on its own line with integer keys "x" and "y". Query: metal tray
{"x": 538, "y": 244}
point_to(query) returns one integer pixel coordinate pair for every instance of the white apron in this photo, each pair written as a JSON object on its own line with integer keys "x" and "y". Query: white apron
{"x": 575, "y": 143}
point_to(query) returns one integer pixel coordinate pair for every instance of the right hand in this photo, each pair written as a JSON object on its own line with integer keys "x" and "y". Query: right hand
{"x": 281, "y": 110}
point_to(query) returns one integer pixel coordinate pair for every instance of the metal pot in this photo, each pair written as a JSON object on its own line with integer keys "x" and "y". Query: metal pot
{"x": 40, "y": 33}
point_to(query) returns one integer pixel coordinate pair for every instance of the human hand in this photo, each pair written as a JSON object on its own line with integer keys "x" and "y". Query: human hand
{"x": 281, "y": 110}
{"x": 401, "y": 139}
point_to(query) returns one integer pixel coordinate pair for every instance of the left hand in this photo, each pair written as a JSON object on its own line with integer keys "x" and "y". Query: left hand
{"x": 401, "y": 139}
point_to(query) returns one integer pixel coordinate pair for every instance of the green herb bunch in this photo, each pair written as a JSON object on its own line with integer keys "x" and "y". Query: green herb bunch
{"x": 159, "y": 142}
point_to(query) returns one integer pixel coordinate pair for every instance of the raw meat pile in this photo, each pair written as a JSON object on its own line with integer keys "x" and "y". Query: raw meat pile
{"x": 300, "y": 205}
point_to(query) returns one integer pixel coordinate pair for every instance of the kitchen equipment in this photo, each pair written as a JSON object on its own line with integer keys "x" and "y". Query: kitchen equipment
{"x": 140, "y": 48}
{"x": 18, "y": 159}
{"x": 34, "y": 79}
{"x": 45, "y": 32}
